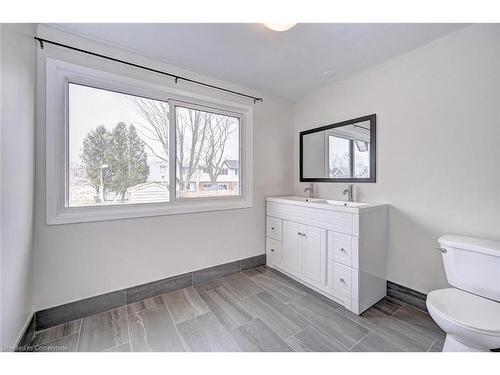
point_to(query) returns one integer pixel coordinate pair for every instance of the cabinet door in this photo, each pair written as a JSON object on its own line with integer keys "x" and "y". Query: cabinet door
{"x": 291, "y": 247}
{"x": 314, "y": 255}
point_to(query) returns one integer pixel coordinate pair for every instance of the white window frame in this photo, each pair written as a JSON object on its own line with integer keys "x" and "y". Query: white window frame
{"x": 59, "y": 74}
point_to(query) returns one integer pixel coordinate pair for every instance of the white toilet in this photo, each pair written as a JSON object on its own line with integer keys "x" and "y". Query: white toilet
{"x": 470, "y": 312}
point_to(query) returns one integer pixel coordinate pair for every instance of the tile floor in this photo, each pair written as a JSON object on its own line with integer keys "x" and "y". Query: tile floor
{"x": 254, "y": 310}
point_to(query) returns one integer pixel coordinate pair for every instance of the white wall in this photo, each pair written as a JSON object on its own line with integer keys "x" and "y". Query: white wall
{"x": 17, "y": 179}
{"x": 438, "y": 115}
{"x": 81, "y": 260}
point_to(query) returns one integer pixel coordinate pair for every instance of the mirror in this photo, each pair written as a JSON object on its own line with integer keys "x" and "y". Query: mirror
{"x": 341, "y": 152}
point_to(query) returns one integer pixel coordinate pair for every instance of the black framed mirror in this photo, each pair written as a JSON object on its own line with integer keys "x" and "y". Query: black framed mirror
{"x": 341, "y": 152}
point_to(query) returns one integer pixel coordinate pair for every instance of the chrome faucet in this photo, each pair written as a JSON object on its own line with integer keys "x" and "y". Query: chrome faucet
{"x": 309, "y": 191}
{"x": 348, "y": 191}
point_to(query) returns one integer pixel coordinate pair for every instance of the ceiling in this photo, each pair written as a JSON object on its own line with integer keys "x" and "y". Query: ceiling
{"x": 289, "y": 64}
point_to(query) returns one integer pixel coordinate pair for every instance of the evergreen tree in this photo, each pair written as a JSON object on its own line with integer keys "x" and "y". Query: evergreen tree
{"x": 118, "y": 159}
{"x": 138, "y": 158}
{"x": 94, "y": 156}
{"x": 127, "y": 159}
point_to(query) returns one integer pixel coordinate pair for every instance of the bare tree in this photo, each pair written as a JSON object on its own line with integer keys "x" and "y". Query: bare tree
{"x": 156, "y": 114}
{"x": 191, "y": 133}
{"x": 217, "y": 136}
{"x": 199, "y": 136}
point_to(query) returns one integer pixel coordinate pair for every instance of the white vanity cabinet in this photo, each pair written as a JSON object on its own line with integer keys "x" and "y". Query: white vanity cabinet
{"x": 305, "y": 251}
{"x": 335, "y": 249}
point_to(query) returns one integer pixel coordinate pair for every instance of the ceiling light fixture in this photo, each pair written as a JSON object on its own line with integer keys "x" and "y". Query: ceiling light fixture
{"x": 279, "y": 26}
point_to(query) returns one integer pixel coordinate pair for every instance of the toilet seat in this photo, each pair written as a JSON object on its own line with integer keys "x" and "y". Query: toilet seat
{"x": 466, "y": 310}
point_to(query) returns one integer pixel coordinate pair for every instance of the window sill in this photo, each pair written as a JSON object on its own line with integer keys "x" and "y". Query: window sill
{"x": 73, "y": 215}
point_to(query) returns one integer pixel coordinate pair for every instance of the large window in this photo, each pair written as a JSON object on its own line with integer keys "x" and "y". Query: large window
{"x": 119, "y": 148}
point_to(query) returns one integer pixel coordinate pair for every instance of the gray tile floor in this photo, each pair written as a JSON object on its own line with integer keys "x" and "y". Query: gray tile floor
{"x": 254, "y": 310}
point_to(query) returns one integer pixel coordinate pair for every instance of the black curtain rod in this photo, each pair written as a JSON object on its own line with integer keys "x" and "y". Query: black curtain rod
{"x": 176, "y": 77}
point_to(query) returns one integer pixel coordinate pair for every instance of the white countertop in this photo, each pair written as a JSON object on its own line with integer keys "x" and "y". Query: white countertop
{"x": 326, "y": 204}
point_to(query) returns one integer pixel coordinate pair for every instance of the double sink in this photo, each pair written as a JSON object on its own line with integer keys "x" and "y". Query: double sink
{"x": 331, "y": 204}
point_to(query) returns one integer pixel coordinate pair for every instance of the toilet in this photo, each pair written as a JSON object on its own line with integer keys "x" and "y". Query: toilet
{"x": 469, "y": 312}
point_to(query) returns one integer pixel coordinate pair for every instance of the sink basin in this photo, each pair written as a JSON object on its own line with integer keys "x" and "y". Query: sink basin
{"x": 345, "y": 204}
{"x": 325, "y": 201}
{"x": 305, "y": 200}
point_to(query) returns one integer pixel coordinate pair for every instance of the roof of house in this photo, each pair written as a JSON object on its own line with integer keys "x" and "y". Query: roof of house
{"x": 233, "y": 164}
{"x": 146, "y": 185}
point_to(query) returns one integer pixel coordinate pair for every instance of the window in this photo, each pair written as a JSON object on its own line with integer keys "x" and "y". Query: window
{"x": 361, "y": 159}
{"x": 348, "y": 158}
{"x": 117, "y": 144}
{"x": 118, "y": 147}
{"x": 339, "y": 157}
{"x": 208, "y": 139}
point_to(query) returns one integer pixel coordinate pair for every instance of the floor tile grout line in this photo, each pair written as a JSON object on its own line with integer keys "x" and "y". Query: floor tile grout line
{"x": 262, "y": 319}
{"x": 185, "y": 320}
{"x": 318, "y": 328}
{"x": 264, "y": 322}
{"x": 60, "y": 337}
{"x": 184, "y": 345}
{"x": 399, "y": 308}
{"x": 128, "y": 329}
{"x": 432, "y": 344}
{"x": 286, "y": 282}
{"x": 271, "y": 292}
{"x": 79, "y": 335}
{"x": 284, "y": 340}
{"x": 417, "y": 329}
{"x": 361, "y": 339}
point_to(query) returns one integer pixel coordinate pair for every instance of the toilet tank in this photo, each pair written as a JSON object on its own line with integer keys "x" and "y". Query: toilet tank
{"x": 472, "y": 264}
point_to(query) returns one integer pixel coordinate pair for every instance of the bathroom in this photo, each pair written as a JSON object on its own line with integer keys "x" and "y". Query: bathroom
{"x": 251, "y": 187}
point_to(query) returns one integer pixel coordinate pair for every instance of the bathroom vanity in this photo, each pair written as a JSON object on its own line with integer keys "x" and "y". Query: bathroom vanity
{"x": 337, "y": 248}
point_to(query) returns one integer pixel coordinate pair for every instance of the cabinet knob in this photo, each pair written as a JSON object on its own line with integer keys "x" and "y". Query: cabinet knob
{"x": 272, "y": 250}
{"x": 342, "y": 249}
{"x": 272, "y": 228}
{"x": 341, "y": 280}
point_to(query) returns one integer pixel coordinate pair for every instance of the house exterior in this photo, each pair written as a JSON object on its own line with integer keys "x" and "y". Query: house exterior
{"x": 157, "y": 185}
{"x": 228, "y": 179}
{"x": 148, "y": 192}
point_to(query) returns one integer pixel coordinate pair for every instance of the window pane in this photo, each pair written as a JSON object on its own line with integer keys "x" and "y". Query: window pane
{"x": 362, "y": 160}
{"x": 208, "y": 155}
{"x": 339, "y": 157}
{"x": 118, "y": 148}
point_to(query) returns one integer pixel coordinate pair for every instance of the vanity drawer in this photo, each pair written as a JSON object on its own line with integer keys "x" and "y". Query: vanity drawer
{"x": 273, "y": 251}
{"x": 341, "y": 278}
{"x": 341, "y": 251}
{"x": 273, "y": 228}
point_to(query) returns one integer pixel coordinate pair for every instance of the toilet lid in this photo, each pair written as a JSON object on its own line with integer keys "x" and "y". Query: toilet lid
{"x": 467, "y": 309}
